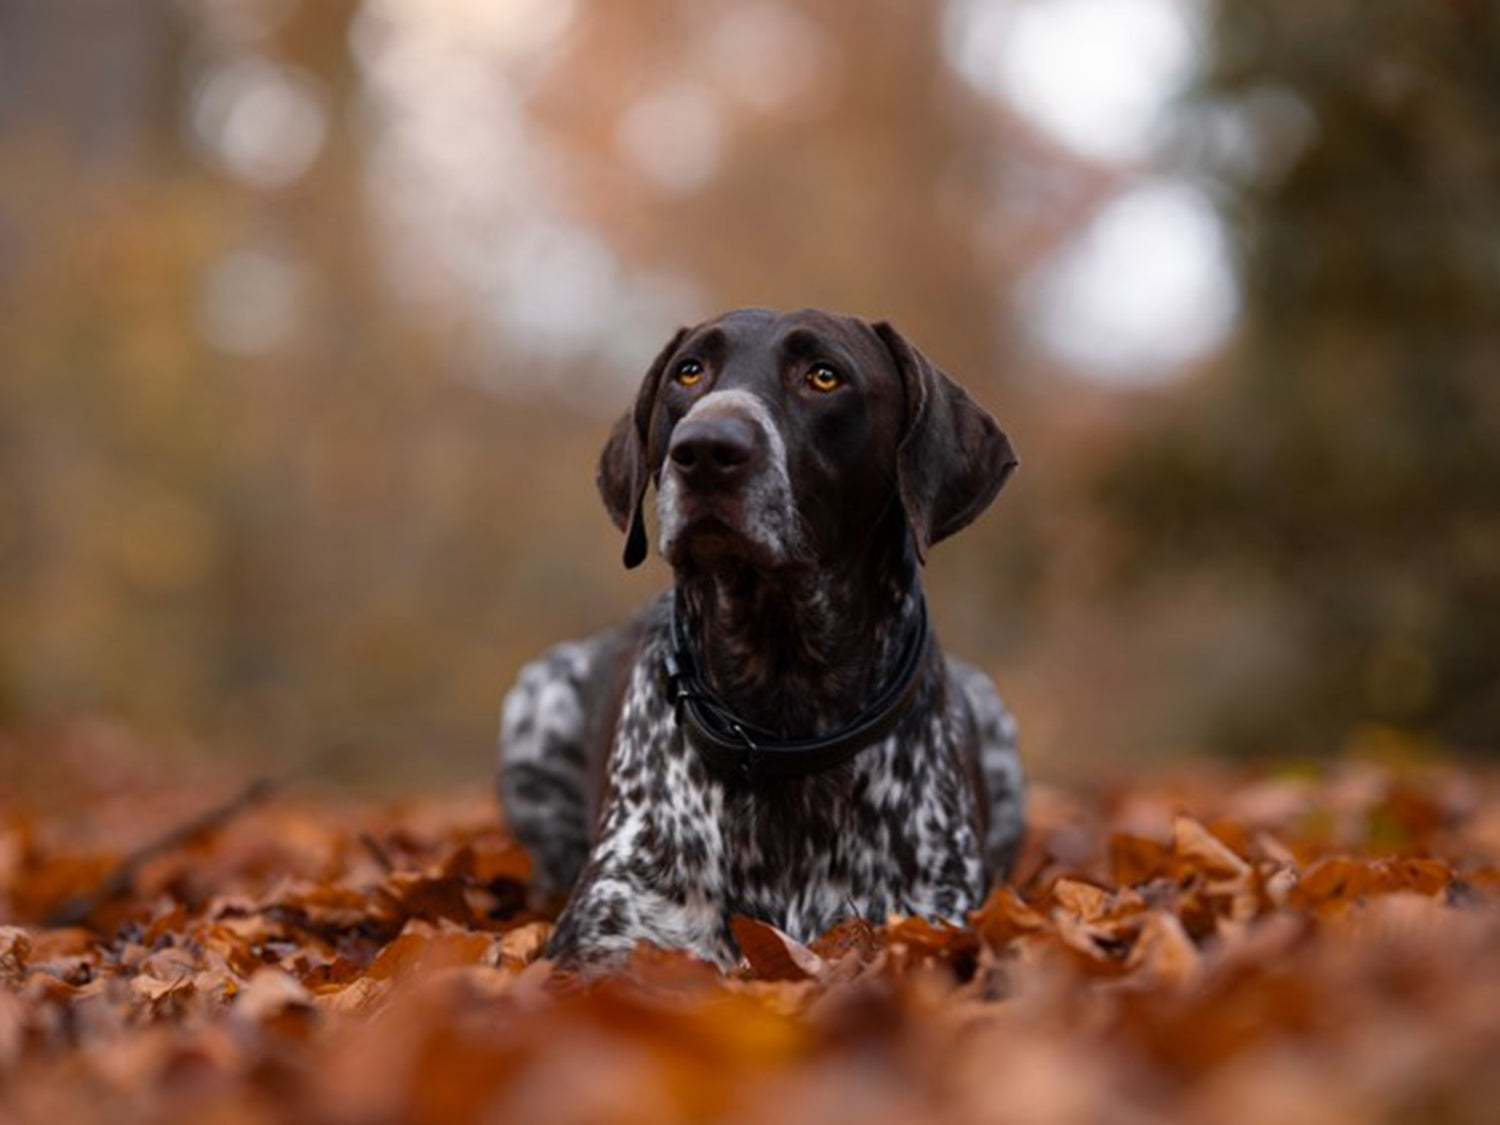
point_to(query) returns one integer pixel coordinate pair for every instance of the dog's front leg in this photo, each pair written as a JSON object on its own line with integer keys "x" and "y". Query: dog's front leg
{"x": 656, "y": 873}
{"x": 608, "y": 914}
{"x": 636, "y": 888}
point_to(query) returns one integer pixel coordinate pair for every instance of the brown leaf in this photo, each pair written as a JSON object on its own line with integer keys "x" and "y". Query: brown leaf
{"x": 1004, "y": 917}
{"x": 772, "y": 954}
{"x": 269, "y": 994}
{"x": 1334, "y": 881}
{"x": 850, "y": 936}
{"x": 524, "y": 944}
{"x": 327, "y": 905}
{"x": 923, "y": 940}
{"x": 1082, "y": 900}
{"x": 162, "y": 998}
{"x": 1087, "y": 945}
{"x": 332, "y": 975}
{"x": 357, "y": 996}
{"x": 15, "y": 949}
{"x": 1198, "y": 847}
{"x": 1411, "y": 873}
{"x": 416, "y": 951}
{"x": 13, "y": 1019}
{"x": 432, "y": 899}
{"x": 1138, "y": 859}
{"x": 490, "y": 861}
{"x": 1163, "y": 952}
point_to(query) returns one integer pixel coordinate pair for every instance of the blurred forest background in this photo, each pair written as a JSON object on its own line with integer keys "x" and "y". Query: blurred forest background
{"x": 313, "y": 317}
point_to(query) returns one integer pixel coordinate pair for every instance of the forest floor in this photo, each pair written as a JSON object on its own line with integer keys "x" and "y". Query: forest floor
{"x": 1208, "y": 945}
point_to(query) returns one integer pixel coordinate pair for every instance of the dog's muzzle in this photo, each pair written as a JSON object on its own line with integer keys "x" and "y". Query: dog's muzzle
{"x": 724, "y": 484}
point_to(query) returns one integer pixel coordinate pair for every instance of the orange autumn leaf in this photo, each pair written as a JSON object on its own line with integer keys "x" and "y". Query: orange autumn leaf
{"x": 1163, "y": 952}
{"x": 1004, "y": 917}
{"x": 490, "y": 861}
{"x": 1200, "y": 849}
{"x": 1083, "y": 900}
{"x": 1137, "y": 859}
{"x": 416, "y": 952}
{"x": 15, "y": 950}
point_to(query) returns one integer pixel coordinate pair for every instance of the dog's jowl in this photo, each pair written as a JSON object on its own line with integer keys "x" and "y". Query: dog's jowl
{"x": 779, "y": 735}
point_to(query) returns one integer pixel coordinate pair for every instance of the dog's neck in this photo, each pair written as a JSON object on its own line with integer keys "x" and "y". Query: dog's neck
{"x": 801, "y": 650}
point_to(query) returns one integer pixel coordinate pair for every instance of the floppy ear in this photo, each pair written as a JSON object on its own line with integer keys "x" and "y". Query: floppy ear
{"x": 625, "y": 466}
{"x": 953, "y": 458}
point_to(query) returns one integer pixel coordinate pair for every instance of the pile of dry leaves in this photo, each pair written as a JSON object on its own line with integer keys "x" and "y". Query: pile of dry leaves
{"x": 1283, "y": 949}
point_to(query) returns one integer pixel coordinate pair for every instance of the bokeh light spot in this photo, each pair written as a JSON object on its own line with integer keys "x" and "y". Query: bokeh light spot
{"x": 252, "y": 300}
{"x": 673, "y": 136}
{"x": 1145, "y": 289}
{"x": 770, "y": 57}
{"x": 264, "y": 123}
{"x": 1097, "y": 75}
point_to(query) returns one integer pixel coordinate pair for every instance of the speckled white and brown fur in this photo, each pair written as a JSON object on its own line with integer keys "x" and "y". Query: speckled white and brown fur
{"x": 796, "y": 627}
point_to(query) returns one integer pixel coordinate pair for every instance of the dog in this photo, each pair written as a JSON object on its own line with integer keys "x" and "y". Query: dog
{"x": 778, "y": 735}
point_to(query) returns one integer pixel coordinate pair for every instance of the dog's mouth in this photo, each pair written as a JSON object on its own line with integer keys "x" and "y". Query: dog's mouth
{"x": 714, "y": 528}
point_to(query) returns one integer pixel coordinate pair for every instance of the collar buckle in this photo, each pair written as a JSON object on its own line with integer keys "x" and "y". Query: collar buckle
{"x": 750, "y": 761}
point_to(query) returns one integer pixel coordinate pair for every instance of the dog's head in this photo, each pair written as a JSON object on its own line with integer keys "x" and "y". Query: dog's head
{"x": 782, "y": 438}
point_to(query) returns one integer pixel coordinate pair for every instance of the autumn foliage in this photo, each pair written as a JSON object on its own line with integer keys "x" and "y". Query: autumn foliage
{"x": 1280, "y": 948}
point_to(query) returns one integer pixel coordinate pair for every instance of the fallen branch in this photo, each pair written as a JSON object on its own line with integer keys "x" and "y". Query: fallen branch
{"x": 77, "y": 910}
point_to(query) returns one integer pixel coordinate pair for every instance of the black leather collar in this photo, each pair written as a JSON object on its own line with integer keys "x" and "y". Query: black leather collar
{"x": 735, "y": 746}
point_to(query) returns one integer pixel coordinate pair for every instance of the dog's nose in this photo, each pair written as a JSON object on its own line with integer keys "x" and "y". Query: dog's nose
{"x": 713, "y": 452}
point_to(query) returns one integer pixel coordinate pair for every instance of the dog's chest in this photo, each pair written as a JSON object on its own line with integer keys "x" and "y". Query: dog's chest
{"x": 893, "y": 831}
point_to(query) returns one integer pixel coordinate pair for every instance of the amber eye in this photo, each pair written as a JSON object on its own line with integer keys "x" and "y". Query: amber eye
{"x": 823, "y": 378}
{"x": 689, "y": 371}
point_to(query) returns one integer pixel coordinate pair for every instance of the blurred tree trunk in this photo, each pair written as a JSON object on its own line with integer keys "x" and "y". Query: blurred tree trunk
{"x": 1349, "y": 455}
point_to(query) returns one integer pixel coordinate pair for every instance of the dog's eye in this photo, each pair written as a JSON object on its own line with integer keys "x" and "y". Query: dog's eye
{"x": 689, "y": 371}
{"x": 821, "y": 377}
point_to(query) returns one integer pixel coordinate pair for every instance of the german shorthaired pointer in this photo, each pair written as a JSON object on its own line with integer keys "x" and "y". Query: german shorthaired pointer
{"x": 779, "y": 735}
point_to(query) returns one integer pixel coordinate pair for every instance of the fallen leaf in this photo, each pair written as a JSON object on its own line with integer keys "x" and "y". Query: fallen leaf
{"x": 524, "y": 944}
{"x": 1004, "y": 917}
{"x": 1084, "y": 901}
{"x": 356, "y": 996}
{"x": 1163, "y": 953}
{"x": 268, "y": 994}
{"x": 1137, "y": 859}
{"x": 1198, "y": 847}
{"x": 772, "y": 955}
{"x": 15, "y": 949}
{"x": 419, "y": 951}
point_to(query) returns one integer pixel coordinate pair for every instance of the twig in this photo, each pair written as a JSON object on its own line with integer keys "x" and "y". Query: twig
{"x": 77, "y": 910}
{"x": 377, "y": 852}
